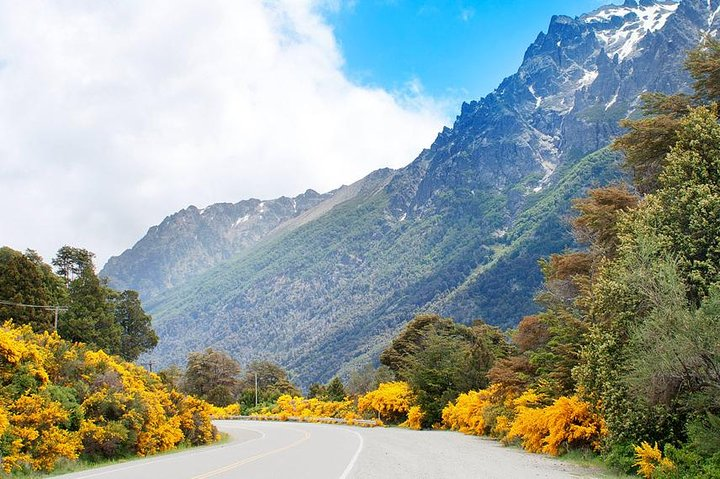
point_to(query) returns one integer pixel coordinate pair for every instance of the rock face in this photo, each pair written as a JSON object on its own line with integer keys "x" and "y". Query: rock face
{"x": 193, "y": 240}
{"x": 458, "y": 231}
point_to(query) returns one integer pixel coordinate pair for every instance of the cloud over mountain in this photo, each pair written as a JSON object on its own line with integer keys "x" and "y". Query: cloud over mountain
{"x": 114, "y": 114}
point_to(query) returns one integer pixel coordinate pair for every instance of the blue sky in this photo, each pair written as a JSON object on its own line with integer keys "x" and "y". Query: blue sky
{"x": 455, "y": 48}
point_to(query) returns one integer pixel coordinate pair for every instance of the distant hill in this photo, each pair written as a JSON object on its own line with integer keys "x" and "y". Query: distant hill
{"x": 458, "y": 231}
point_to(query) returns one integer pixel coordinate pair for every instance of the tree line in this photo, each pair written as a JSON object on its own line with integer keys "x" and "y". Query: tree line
{"x": 92, "y": 312}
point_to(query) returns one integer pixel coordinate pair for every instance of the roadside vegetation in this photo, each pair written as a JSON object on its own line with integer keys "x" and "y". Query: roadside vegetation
{"x": 70, "y": 395}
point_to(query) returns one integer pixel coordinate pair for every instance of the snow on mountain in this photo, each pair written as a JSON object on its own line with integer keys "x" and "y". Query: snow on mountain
{"x": 620, "y": 28}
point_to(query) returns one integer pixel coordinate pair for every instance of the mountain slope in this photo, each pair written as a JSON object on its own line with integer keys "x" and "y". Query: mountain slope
{"x": 460, "y": 229}
{"x": 193, "y": 240}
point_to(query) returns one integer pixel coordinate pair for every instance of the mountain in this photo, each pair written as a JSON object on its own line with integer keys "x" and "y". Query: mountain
{"x": 193, "y": 240}
{"x": 460, "y": 229}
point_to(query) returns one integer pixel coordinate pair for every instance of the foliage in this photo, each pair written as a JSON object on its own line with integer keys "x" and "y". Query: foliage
{"x": 390, "y": 401}
{"x": 272, "y": 382}
{"x": 137, "y": 335}
{"x": 213, "y": 376}
{"x": 599, "y": 214}
{"x": 92, "y": 313}
{"x": 64, "y": 401}
{"x": 25, "y": 281}
{"x": 368, "y": 378}
{"x": 703, "y": 63}
{"x": 335, "y": 390}
{"x": 567, "y": 422}
{"x": 414, "y": 418}
{"x": 649, "y": 459}
{"x": 313, "y": 408}
{"x": 469, "y": 412}
{"x": 440, "y": 359}
{"x": 650, "y": 138}
{"x": 685, "y": 211}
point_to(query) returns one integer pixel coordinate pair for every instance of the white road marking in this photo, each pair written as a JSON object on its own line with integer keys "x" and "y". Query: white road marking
{"x": 354, "y": 459}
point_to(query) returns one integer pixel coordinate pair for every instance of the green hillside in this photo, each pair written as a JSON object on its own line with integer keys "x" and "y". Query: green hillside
{"x": 331, "y": 293}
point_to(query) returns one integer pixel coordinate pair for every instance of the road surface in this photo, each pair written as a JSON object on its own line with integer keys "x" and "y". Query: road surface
{"x": 275, "y": 450}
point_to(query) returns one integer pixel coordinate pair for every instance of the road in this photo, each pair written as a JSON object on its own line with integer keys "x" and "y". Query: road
{"x": 274, "y": 450}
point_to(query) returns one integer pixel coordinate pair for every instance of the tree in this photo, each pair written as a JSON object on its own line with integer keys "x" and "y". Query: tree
{"x": 316, "y": 390}
{"x": 410, "y": 339}
{"x": 137, "y": 334}
{"x": 213, "y": 376}
{"x": 650, "y": 138}
{"x": 272, "y": 382}
{"x": 685, "y": 211}
{"x": 70, "y": 262}
{"x": 23, "y": 282}
{"x": 367, "y": 378}
{"x": 600, "y": 211}
{"x": 90, "y": 317}
{"x": 335, "y": 390}
{"x": 703, "y": 63}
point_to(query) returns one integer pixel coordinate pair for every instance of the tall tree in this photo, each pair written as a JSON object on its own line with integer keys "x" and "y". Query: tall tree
{"x": 335, "y": 390}
{"x": 90, "y": 317}
{"x": 213, "y": 376}
{"x": 137, "y": 334}
{"x": 70, "y": 262}
{"x": 22, "y": 281}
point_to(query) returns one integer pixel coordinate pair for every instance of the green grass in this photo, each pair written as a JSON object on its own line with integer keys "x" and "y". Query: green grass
{"x": 593, "y": 462}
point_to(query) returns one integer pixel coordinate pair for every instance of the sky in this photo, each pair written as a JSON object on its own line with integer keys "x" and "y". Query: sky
{"x": 116, "y": 114}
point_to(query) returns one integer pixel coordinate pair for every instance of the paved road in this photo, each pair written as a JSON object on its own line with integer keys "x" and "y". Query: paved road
{"x": 270, "y": 450}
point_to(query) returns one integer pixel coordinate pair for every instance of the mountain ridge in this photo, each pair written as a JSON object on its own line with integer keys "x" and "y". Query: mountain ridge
{"x": 457, "y": 231}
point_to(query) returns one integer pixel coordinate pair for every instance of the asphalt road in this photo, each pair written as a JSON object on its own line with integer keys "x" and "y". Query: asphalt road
{"x": 274, "y": 450}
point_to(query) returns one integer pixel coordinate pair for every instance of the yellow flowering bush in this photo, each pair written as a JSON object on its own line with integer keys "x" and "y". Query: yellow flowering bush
{"x": 37, "y": 439}
{"x": 414, "y": 418}
{"x": 295, "y": 406}
{"x": 60, "y": 400}
{"x": 567, "y": 421}
{"x": 648, "y": 459}
{"x": 389, "y": 400}
{"x": 468, "y": 413}
{"x": 225, "y": 412}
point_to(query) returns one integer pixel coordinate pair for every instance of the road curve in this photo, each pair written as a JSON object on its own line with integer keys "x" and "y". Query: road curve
{"x": 274, "y": 450}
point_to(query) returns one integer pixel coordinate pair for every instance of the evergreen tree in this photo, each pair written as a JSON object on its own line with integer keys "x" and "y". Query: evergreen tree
{"x": 70, "y": 262}
{"x": 335, "y": 390}
{"x": 90, "y": 317}
{"x": 23, "y": 282}
{"x": 137, "y": 333}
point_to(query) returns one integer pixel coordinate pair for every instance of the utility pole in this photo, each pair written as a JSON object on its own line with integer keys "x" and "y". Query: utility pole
{"x": 56, "y": 308}
{"x": 256, "y": 390}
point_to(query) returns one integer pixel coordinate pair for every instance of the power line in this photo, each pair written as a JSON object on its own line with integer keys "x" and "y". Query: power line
{"x": 37, "y": 306}
{"x": 48, "y": 307}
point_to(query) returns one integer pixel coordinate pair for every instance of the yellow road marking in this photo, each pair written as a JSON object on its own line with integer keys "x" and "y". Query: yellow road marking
{"x": 248, "y": 460}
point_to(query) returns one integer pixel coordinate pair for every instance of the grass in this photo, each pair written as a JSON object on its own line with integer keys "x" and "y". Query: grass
{"x": 590, "y": 460}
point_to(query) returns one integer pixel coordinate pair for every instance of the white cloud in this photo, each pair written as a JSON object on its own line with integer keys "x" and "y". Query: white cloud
{"x": 115, "y": 114}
